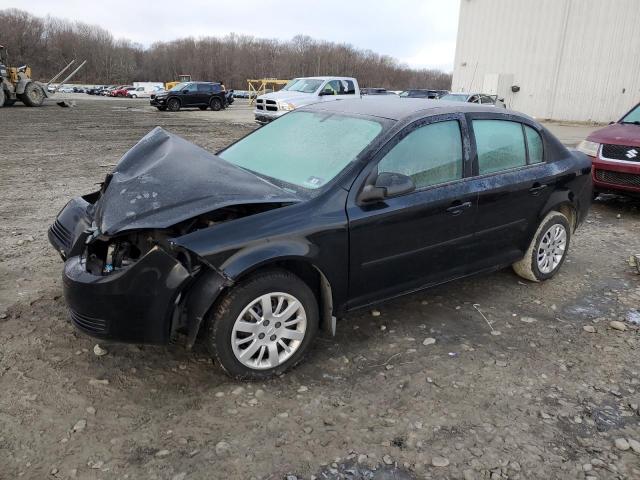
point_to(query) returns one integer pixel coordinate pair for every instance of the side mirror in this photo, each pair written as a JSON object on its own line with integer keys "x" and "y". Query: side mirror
{"x": 387, "y": 185}
{"x": 325, "y": 93}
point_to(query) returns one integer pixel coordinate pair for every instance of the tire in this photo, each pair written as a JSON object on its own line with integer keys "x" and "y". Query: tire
{"x": 2, "y": 96}
{"x": 33, "y": 95}
{"x": 9, "y": 101}
{"x": 162, "y": 109}
{"x": 134, "y": 96}
{"x": 215, "y": 104}
{"x": 173, "y": 104}
{"x": 203, "y": 107}
{"x": 266, "y": 355}
{"x": 542, "y": 262}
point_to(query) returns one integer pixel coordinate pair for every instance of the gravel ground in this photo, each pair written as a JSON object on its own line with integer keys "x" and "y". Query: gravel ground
{"x": 545, "y": 387}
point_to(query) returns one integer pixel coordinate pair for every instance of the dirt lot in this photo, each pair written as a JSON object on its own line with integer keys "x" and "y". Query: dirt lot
{"x": 543, "y": 399}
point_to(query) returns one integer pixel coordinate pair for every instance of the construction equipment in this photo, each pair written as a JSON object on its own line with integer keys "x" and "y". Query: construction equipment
{"x": 16, "y": 83}
{"x": 182, "y": 78}
{"x": 259, "y": 87}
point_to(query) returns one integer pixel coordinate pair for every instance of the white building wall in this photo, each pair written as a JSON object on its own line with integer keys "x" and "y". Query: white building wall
{"x": 572, "y": 59}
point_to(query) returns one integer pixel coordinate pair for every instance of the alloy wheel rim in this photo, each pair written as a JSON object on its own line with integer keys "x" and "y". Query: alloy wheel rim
{"x": 552, "y": 248}
{"x": 268, "y": 331}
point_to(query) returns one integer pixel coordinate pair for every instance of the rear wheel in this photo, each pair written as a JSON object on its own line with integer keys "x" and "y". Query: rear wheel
{"x": 173, "y": 104}
{"x": 263, "y": 326}
{"x": 215, "y": 104}
{"x": 33, "y": 95}
{"x": 547, "y": 250}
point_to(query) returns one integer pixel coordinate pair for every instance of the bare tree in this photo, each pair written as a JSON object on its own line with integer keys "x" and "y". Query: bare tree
{"x": 46, "y": 44}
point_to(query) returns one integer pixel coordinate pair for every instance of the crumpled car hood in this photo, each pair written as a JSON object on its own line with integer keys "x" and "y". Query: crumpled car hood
{"x": 164, "y": 180}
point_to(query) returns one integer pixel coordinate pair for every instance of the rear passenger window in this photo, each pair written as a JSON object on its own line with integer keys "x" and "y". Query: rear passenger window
{"x": 534, "y": 142}
{"x": 500, "y": 145}
{"x": 430, "y": 155}
{"x": 204, "y": 87}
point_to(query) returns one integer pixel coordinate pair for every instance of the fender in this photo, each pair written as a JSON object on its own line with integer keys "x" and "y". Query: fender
{"x": 207, "y": 288}
{"x": 560, "y": 196}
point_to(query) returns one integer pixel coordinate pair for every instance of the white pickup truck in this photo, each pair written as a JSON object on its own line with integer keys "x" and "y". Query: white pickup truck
{"x": 304, "y": 91}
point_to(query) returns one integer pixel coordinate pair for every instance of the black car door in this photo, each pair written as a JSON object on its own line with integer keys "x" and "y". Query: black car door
{"x": 420, "y": 238}
{"x": 189, "y": 95}
{"x": 204, "y": 93}
{"x": 514, "y": 183}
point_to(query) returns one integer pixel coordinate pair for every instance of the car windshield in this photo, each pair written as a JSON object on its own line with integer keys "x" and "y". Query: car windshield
{"x": 303, "y": 149}
{"x": 290, "y": 83}
{"x": 304, "y": 85}
{"x": 179, "y": 86}
{"x": 633, "y": 116}
{"x": 453, "y": 97}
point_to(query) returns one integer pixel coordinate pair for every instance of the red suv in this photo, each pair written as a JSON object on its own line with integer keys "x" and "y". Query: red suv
{"x": 615, "y": 153}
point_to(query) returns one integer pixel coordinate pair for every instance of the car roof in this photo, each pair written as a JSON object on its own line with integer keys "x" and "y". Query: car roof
{"x": 396, "y": 108}
{"x": 326, "y": 78}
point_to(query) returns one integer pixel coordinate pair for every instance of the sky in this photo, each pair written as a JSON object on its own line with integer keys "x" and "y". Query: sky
{"x": 420, "y": 33}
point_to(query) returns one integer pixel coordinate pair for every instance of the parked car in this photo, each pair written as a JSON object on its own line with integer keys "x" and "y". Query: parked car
{"x": 190, "y": 94}
{"x": 615, "y": 153}
{"x": 303, "y": 91}
{"x": 107, "y": 91}
{"x": 423, "y": 93}
{"x": 375, "y": 91}
{"x": 143, "y": 92}
{"x": 480, "y": 98}
{"x": 122, "y": 91}
{"x": 272, "y": 239}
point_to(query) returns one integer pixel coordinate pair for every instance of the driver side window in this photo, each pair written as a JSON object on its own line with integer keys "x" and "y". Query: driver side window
{"x": 430, "y": 155}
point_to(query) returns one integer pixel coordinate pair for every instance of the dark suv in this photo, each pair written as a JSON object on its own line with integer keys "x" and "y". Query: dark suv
{"x": 190, "y": 94}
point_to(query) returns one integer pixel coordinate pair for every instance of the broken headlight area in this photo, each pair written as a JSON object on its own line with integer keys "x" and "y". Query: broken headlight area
{"x": 103, "y": 257}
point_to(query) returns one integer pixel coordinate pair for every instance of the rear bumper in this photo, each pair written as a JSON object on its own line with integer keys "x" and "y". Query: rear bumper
{"x": 134, "y": 305}
{"x": 614, "y": 176}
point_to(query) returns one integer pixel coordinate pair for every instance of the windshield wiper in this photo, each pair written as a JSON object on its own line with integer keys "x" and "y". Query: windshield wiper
{"x": 635, "y": 122}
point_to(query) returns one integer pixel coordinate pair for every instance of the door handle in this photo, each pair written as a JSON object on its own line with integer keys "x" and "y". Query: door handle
{"x": 457, "y": 207}
{"x": 537, "y": 188}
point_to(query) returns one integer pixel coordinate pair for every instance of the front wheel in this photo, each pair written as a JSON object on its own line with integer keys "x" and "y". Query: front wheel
{"x": 263, "y": 326}
{"x": 547, "y": 250}
{"x": 173, "y": 105}
{"x": 33, "y": 95}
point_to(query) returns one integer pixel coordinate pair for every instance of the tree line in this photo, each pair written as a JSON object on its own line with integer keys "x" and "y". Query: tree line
{"x": 47, "y": 44}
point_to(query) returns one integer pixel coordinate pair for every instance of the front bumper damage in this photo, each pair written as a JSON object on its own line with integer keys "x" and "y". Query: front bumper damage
{"x": 149, "y": 302}
{"x": 132, "y": 305}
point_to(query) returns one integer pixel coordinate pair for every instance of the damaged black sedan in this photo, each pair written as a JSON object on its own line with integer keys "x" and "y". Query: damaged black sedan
{"x": 332, "y": 207}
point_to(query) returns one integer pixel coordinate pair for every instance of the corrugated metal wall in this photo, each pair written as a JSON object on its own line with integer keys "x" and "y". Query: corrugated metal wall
{"x": 572, "y": 59}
